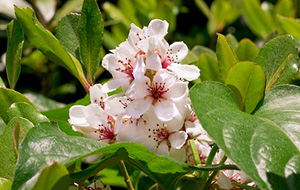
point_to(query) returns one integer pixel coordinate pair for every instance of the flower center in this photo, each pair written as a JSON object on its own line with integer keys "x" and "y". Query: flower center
{"x": 105, "y": 132}
{"x": 157, "y": 90}
{"x": 128, "y": 68}
{"x": 159, "y": 134}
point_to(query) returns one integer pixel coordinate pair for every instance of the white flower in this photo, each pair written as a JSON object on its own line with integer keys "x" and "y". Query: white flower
{"x": 164, "y": 92}
{"x": 160, "y": 137}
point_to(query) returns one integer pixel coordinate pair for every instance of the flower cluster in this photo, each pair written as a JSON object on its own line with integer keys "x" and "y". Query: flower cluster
{"x": 153, "y": 108}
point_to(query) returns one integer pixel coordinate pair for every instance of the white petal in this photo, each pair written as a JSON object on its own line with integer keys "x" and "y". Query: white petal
{"x": 165, "y": 110}
{"x": 224, "y": 181}
{"x": 139, "y": 68}
{"x": 93, "y": 159}
{"x": 77, "y": 115}
{"x": 192, "y": 129}
{"x": 177, "y": 92}
{"x": 178, "y": 139}
{"x": 188, "y": 72}
{"x": 164, "y": 76}
{"x": 179, "y": 51}
{"x": 96, "y": 94}
{"x": 115, "y": 106}
{"x": 114, "y": 84}
{"x": 162, "y": 148}
{"x": 138, "y": 107}
{"x": 108, "y": 59}
{"x": 127, "y": 132}
{"x": 153, "y": 61}
{"x": 158, "y": 28}
{"x": 147, "y": 142}
{"x": 178, "y": 154}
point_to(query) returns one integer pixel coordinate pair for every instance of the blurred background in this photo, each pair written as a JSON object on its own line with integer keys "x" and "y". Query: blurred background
{"x": 195, "y": 22}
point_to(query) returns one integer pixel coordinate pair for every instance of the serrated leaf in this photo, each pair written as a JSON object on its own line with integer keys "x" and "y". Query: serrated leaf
{"x": 254, "y": 142}
{"x": 48, "y": 44}
{"x": 278, "y": 60}
{"x": 246, "y": 50}
{"x": 90, "y": 33}
{"x": 249, "y": 80}
{"x": 289, "y": 25}
{"x": 66, "y": 33}
{"x": 226, "y": 56}
{"x": 5, "y": 184}
{"x": 7, "y": 98}
{"x": 9, "y": 158}
{"x": 54, "y": 176}
{"x": 209, "y": 68}
{"x": 26, "y": 111}
{"x": 258, "y": 20}
{"x": 15, "y": 43}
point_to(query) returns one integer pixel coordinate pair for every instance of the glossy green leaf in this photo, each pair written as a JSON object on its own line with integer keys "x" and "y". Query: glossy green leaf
{"x": 25, "y": 110}
{"x": 8, "y": 162}
{"x": 209, "y": 68}
{"x": 47, "y": 143}
{"x": 90, "y": 34}
{"x": 247, "y": 81}
{"x": 7, "y": 98}
{"x": 290, "y": 25}
{"x": 246, "y": 50}
{"x": 15, "y": 43}
{"x": 261, "y": 144}
{"x": 43, "y": 103}
{"x": 278, "y": 60}
{"x": 48, "y": 44}
{"x": 258, "y": 21}
{"x": 66, "y": 33}
{"x": 54, "y": 176}
{"x": 5, "y": 184}
{"x": 226, "y": 56}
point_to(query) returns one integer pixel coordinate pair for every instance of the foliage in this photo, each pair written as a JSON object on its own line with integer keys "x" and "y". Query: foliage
{"x": 246, "y": 98}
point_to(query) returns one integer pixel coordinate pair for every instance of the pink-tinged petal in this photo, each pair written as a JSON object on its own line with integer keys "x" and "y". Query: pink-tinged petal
{"x": 224, "y": 181}
{"x": 158, "y": 28}
{"x": 114, "y": 84}
{"x": 177, "y": 92}
{"x": 178, "y": 139}
{"x": 179, "y": 51}
{"x": 153, "y": 61}
{"x": 178, "y": 154}
{"x": 162, "y": 148}
{"x": 165, "y": 110}
{"x": 188, "y": 72}
{"x": 138, "y": 107}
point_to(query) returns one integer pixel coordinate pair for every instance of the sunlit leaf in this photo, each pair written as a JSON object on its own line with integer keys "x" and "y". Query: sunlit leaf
{"x": 4, "y": 184}
{"x": 290, "y": 25}
{"x": 246, "y": 50}
{"x": 209, "y": 69}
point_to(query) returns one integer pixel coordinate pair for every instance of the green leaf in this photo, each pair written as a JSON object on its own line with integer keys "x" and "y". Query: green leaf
{"x": 292, "y": 172}
{"x": 5, "y": 184}
{"x": 249, "y": 81}
{"x": 220, "y": 9}
{"x": 2, "y": 84}
{"x": 115, "y": 13}
{"x": 284, "y": 8}
{"x": 246, "y": 50}
{"x": 15, "y": 43}
{"x": 278, "y": 60}
{"x": 48, "y": 44}
{"x": 261, "y": 144}
{"x": 198, "y": 50}
{"x": 47, "y": 143}
{"x": 8, "y": 162}
{"x": 226, "y": 56}
{"x": 66, "y": 33}
{"x": 90, "y": 33}
{"x": 54, "y": 176}
{"x": 7, "y": 98}
{"x": 124, "y": 6}
{"x": 43, "y": 103}
{"x": 289, "y": 25}
{"x": 232, "y": 41}
{"x": 258, "y": 21}
{"x": 209, "y": 69}
{"x": 26, "y": 111}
